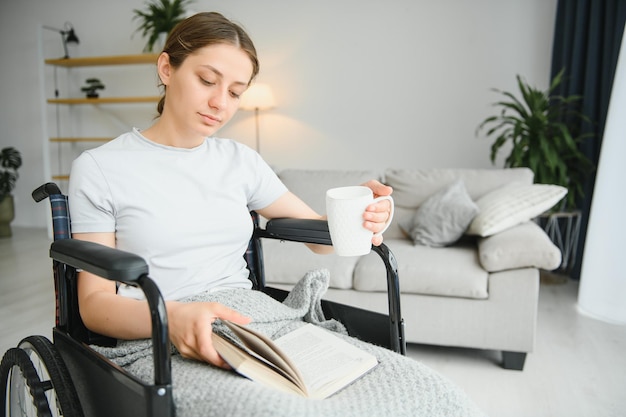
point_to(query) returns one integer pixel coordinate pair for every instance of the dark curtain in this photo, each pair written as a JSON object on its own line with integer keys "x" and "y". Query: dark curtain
{"x": 587, "y": 39}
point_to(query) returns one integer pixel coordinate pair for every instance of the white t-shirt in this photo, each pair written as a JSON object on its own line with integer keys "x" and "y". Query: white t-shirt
{"x": 185, "y": 211}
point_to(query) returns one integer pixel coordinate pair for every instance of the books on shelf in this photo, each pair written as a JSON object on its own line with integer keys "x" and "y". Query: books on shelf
{"x": 309, "y": 361}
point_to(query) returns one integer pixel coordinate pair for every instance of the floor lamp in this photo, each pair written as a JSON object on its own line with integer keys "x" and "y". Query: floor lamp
{"x": 258, "y": 97}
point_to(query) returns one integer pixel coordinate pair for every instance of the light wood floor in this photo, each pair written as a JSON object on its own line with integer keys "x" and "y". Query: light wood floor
{"x": 578, "y": 367}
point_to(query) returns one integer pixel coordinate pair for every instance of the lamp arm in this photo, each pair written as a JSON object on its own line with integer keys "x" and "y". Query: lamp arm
{"x": 61, "y": 31}
{"x": 64, "y": 36}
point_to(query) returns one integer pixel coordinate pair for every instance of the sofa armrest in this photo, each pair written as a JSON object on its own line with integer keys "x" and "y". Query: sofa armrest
{"x": 523, "y": 246}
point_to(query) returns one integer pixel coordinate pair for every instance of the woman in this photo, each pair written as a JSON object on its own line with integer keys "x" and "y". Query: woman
{"x": 180, "y": 199}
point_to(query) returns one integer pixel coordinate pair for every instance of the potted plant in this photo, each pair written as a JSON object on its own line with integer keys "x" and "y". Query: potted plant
{"x": 540, "y": 129}
{"x": 159, "y": 19}
{"x": 10, "y": 161}
{"x": 92, "y": 87}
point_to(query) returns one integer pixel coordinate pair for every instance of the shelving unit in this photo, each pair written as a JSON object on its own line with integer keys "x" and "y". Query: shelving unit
{"x": 97, "y": 103}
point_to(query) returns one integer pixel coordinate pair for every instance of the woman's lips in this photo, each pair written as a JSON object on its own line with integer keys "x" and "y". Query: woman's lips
{"x": 209, "y": 119}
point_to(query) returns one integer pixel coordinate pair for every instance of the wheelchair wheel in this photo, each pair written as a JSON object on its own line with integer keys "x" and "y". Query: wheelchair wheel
{"x": 36, "y": 382}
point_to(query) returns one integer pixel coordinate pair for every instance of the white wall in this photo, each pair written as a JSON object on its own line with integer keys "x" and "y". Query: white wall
{"x": 400, "y": 83}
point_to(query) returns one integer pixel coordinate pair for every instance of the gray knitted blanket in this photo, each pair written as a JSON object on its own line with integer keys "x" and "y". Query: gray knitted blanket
{"x": 398, "y": 386}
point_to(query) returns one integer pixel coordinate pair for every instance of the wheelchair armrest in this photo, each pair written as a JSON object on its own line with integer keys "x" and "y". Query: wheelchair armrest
{"x": 298, "y": 230}
{"x": 101, "y": 260}
{"x": 128, "y": 268}
{"x": 316, "y": 231}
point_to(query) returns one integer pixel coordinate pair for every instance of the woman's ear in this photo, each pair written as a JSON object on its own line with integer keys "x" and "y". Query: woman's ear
{"x": 164, "y": 69}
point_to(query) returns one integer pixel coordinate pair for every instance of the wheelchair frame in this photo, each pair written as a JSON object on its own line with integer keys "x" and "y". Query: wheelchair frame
{"x": 67, "y": 368}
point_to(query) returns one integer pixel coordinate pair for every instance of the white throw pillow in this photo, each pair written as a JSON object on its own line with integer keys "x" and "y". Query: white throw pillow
{"x": 443, "y": 218}
{"x": 522, "y": 246}
{"x": 513, "y": 204}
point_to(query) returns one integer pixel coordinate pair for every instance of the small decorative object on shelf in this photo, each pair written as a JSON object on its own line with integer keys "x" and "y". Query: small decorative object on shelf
{"x": 92, "y": 87}
{"x": 159, "y": 19}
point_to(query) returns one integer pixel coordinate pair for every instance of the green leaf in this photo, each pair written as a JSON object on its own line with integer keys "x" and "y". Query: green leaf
{"x": 158, "y": 17}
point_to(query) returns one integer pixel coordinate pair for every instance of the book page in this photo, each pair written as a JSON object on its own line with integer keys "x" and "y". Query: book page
{"x": 326, "y": 362}
{"x": 263, "y": 348}
{"x": 253, "y": 367}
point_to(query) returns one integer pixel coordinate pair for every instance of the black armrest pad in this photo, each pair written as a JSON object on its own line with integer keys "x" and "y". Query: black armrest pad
{"x": 101, "y": 260}
{"x": 299, "y": 230}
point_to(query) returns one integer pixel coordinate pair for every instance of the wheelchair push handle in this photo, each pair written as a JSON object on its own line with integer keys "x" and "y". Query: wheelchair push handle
{"x": 44, "y": 191}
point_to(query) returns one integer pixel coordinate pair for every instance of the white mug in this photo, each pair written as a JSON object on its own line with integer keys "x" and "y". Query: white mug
{"x": 345, "y": 207}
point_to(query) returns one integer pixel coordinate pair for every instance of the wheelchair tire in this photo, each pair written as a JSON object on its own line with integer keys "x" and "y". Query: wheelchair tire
{"x": 43, "y": 375}
{"x": 22, "y": 392}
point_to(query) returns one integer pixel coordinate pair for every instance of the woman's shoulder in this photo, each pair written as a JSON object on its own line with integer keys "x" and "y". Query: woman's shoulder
{"x": 123, "y": 141}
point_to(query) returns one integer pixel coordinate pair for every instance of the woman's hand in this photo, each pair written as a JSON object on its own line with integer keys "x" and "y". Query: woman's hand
{"x": 190, "y": 328}
{"x": 377, "y": 214}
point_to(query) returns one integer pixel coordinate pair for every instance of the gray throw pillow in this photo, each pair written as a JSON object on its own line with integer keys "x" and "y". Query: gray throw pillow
{"x": 443, "y": 218}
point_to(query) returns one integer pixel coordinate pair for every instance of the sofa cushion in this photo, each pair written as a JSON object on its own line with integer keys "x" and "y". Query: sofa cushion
{"x": 443, "y": 218}
{"x": 311, "y": 185}
{"x": 413, "y": 186}
{"x": 287, "y": 262}
{"x": 523, "y": 246}
{"x": 451, "y": 271}
{"x": 513, "y": 204}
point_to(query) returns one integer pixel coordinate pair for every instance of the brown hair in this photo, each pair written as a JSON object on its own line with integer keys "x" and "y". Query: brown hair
{"x": 204, "y": 29}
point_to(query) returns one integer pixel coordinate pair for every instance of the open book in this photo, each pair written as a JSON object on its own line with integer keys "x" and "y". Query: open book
{"x": 310, "y": 361}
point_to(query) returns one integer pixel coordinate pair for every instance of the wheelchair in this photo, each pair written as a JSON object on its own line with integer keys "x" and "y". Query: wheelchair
{"x": 66, "y": 377}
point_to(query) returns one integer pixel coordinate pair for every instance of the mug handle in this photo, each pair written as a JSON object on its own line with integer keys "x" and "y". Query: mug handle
{"x": 388, "y": 223}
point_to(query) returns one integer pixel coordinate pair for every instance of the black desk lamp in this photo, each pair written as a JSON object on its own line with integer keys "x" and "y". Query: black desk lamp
{"x": 67, "y": 36}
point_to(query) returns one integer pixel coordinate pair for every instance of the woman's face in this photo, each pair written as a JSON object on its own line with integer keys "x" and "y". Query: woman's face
{"x": 203, "y": 93}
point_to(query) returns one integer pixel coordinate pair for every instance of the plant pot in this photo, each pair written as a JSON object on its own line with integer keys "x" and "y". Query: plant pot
{"x": 7, "y": 214}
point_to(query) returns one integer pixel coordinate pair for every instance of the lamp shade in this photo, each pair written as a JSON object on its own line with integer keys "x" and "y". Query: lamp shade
{"x": 71, "y": 37}
{"x": 257, "y": 96}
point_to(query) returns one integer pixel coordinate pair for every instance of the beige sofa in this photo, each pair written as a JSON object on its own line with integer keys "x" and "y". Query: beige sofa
{"x": 478, "y": 292}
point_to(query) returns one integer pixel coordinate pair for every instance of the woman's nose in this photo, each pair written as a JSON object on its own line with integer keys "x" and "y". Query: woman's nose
{"x": 218, "y": 98}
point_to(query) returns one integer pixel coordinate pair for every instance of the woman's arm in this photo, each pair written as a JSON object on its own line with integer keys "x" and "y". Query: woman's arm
{"x": 104, "y": 312}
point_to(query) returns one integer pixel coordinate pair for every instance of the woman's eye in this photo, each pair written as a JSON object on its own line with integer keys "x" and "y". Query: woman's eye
{"x": 235, "y": 94}
{"x": 206, "y": 82}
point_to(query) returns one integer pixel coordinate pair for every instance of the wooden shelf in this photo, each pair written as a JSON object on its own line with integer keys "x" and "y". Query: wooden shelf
{"x": 104, "y": 60}
{"x": 68, "y": 139}
{"x": 104, "y": 100}
{"x": 114, "y": 60}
